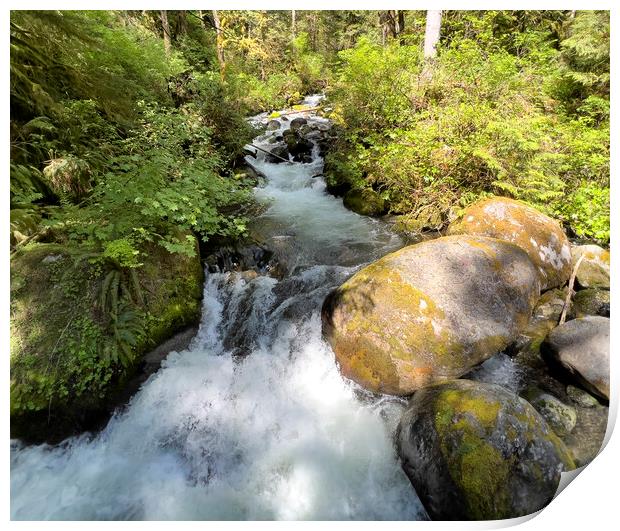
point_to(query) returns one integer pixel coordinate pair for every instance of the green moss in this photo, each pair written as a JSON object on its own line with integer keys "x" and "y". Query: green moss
{"x": 366, "y": 202}
{"x": 63, "y": 357}
{"x": 462, "y": 420}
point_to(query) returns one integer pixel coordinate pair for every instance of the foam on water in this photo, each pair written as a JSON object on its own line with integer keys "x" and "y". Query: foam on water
{"x": 275, "y": 434}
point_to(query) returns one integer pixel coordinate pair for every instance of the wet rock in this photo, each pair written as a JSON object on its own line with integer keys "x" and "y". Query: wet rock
{"x": 239, "y": 258}
{"x": 581, "y": 347}
{"x": 591, "y": 301}
{"x": 429, "y": 312}
{"x": 300, "y": 148}
{"x": 273, "y": 125}
{"x": 296, "y": 123}
{"x": 561, "y": 417}
{"x": 366, "y": 202}
{"x": 277, "y": 154}
{"x": 593, "y": 271}
{"x": 539, "y": 235}
{"x": 580, "y": 397}
{"x": 306, "y": 130}
{"x": 475, "y": 451}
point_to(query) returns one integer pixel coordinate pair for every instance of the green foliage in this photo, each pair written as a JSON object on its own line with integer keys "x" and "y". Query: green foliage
{"x": 431, "y": 137}
{"x": 585, "y": 55}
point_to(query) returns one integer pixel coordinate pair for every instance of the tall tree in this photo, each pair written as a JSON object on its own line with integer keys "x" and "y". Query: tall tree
{"x": 219, "y": 42}
{"x": 432, "y": 33}
{"x": 293, "y": 28}
{"x": 166, "y": 27}
{"x": 181, "y": 25}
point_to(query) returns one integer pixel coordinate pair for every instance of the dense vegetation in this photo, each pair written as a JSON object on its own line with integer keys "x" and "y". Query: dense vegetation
{"x": 515, "y": 104}
{"x": 127, "y": 130}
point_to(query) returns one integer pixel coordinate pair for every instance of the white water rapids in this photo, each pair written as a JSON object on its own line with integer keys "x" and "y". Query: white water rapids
{"x": 277, "y": 434}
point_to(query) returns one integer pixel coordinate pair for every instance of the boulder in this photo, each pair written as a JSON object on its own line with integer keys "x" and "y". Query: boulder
{"x": 591, "y": 301}
{"x": 277, "y": 154}
{"x": 429, "y": 312}
{"x": 300, "y": 148}
{"x": 581, "y": 347}
{"x": 476, "y": 451}
{"x": 273, "y": 125}
{"x": 366, "y": 202}
{"x": 296, "y": 123}
{"x": 593, "y": 270}
{"x": 540, "y": 236}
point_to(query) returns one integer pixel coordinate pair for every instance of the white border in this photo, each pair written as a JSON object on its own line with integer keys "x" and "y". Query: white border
{"x": 589, "y": 503}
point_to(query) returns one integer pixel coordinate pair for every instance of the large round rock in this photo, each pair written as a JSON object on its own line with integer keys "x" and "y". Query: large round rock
{"x": 429, "y": 312}
{"x": 540, "y": 236}
{"x": 475, "y": 451}
{"x": 581, "y": 347}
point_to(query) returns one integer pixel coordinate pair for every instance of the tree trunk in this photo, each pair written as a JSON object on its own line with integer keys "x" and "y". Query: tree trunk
{"x": 293, "y": 21}
{"x": 181, "y": 28}
{"x": 432, "y": 33}
{"x": 401, "y": 25}
{"x": 202, "y": 20}
{"x": 164, "y": 22}
{"x": 219, "y": 44}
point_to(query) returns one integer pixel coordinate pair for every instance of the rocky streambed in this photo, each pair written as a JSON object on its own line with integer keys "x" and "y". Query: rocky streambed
{"x": 339, "y": 374}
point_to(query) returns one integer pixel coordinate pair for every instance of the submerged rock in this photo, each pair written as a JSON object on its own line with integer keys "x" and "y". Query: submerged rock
{"x": 429, "y": 312}
{"x": 593, "y": 270}
{"x": 540, "y": 236}
{"x": 581, "y": 347}
{"x": 475, "y": 451}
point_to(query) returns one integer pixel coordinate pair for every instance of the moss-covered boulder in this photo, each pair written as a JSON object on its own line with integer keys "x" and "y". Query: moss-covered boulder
{"x": 540, "y": 236}
{"x": 581, "y": 347}
{"x": 475, "y": 451}
{"x": 429, "y": 312}
{"x": 366, "y": 202}
{"x": 593, "y": 270}
{"x": 69, "y": 358}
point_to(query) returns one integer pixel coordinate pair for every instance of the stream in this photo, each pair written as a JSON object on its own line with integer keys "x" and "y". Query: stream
{"x": 275, "y": 434}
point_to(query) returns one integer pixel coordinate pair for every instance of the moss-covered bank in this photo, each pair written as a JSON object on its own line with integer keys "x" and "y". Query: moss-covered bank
{"x": 69, "y": 359}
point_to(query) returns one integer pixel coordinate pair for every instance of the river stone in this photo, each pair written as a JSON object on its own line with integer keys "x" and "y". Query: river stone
{"x": 476, "y": 451}
{"x": 272, "y": 125}
{"x": 580, "y": 397}
{"x": 581, "y": 346}
{"x": 561, "y": 417}
{"x": 593, "y": 271}
{"x": 429, "y": 312}
{"x": 540, "y": 236}
{"x": 280, "y": 153}
{"x": 591, "y": 301}
{"x": 297, "y": 123}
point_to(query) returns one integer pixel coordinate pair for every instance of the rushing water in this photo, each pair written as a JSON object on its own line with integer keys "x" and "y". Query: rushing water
{"x": 275, "y": 434}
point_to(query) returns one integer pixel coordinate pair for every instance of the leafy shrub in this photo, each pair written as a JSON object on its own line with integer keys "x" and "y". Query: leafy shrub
{"x": 475, "y": 122}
